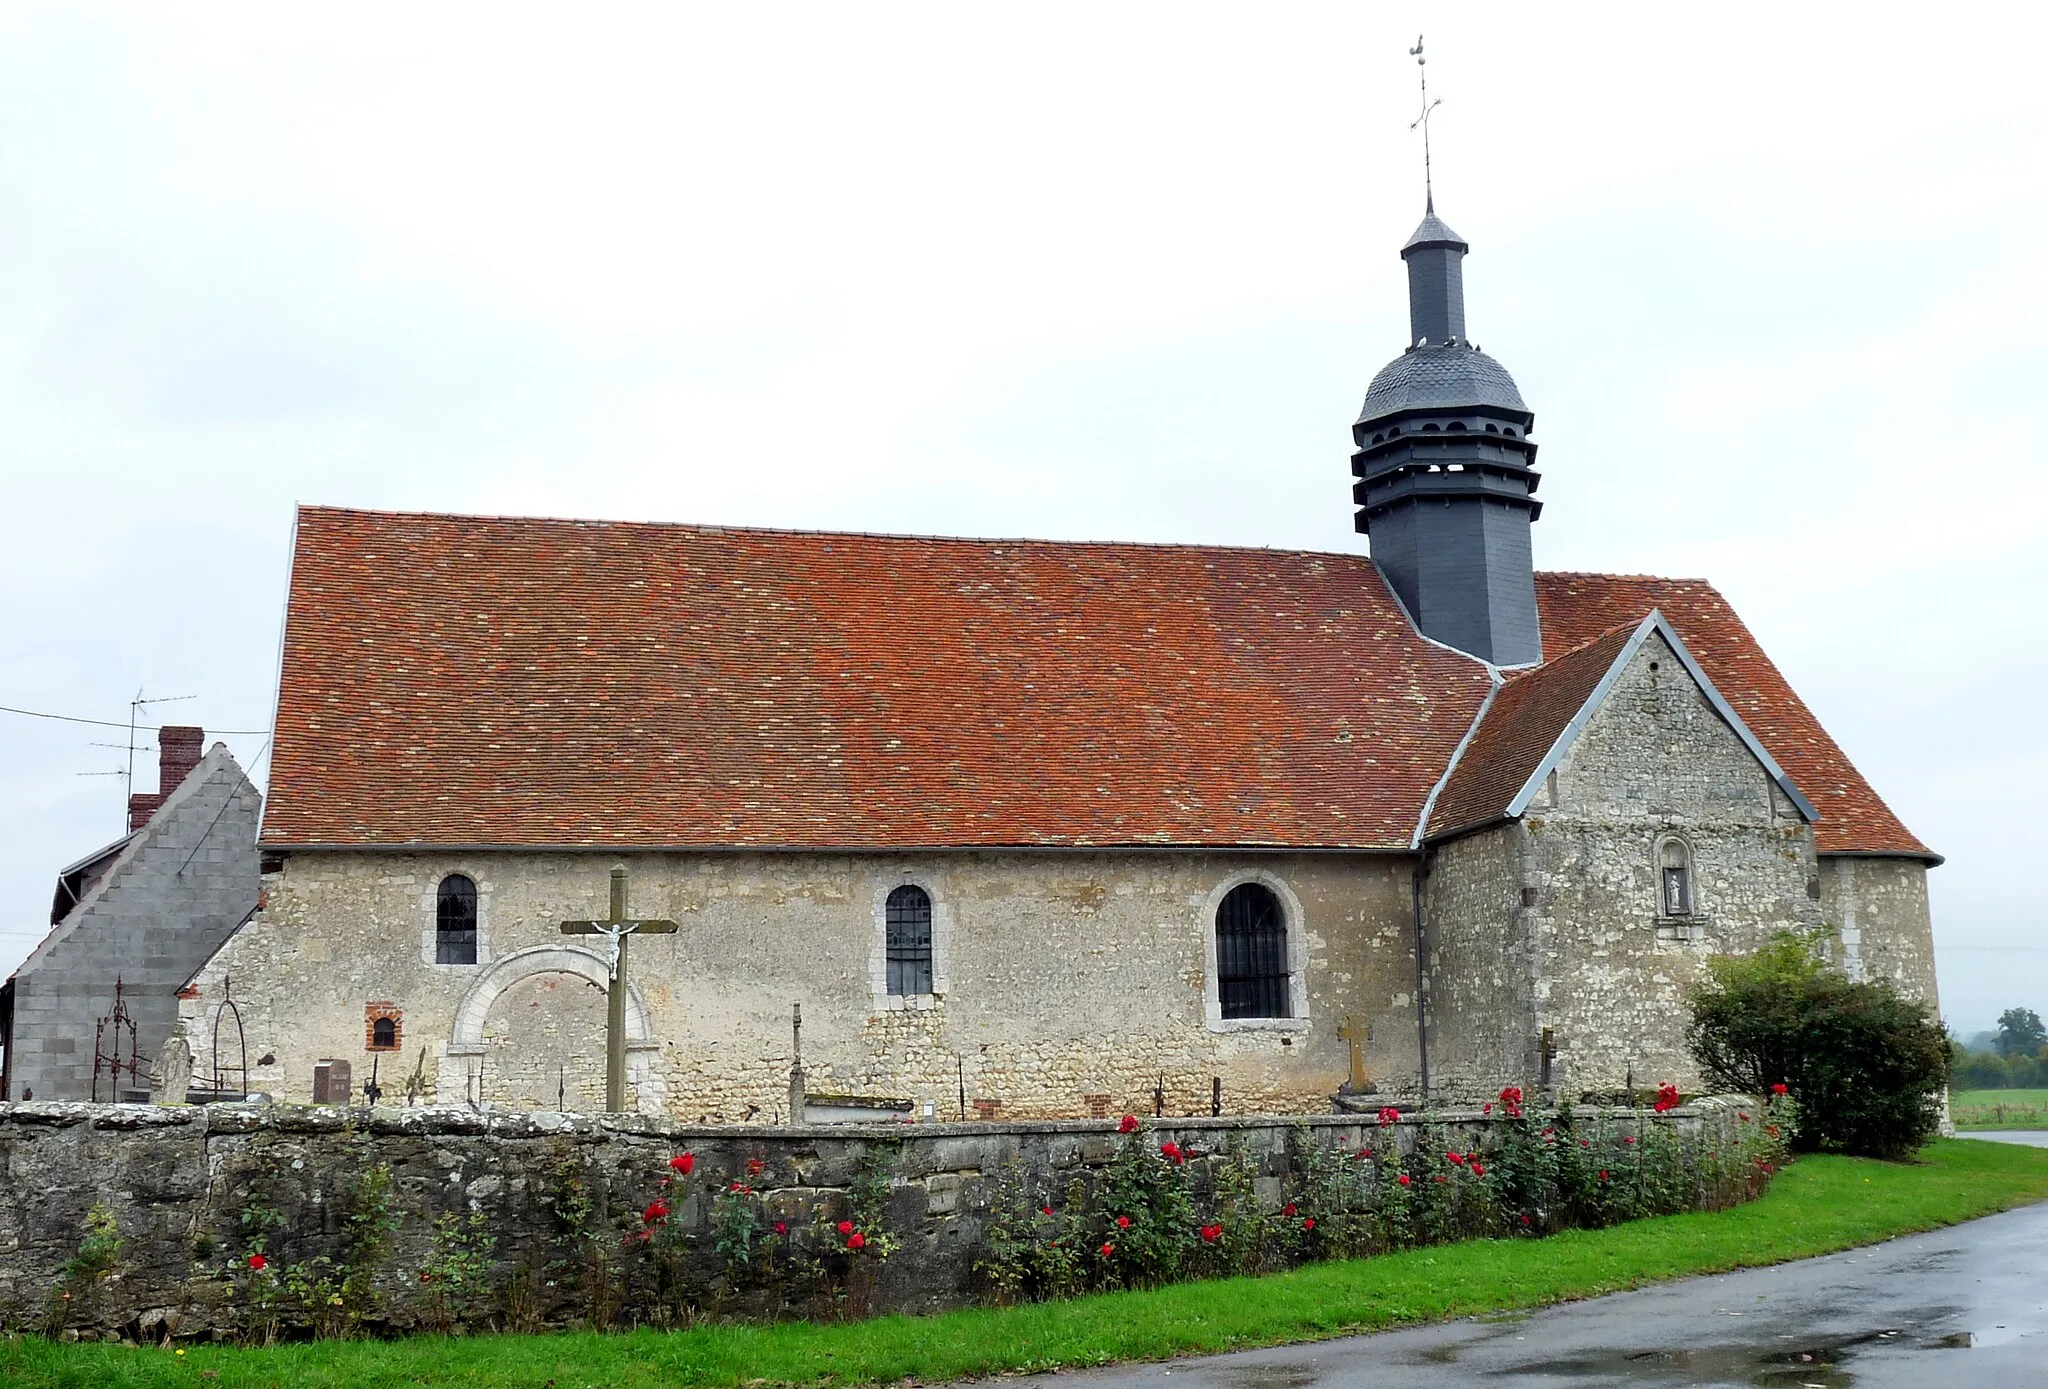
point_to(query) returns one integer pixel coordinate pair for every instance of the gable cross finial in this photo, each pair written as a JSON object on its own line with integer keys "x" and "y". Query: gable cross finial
{"x": 1428, "y": 192}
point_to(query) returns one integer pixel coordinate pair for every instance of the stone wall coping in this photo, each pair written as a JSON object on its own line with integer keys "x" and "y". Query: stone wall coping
{"x": 242, "y": 1118}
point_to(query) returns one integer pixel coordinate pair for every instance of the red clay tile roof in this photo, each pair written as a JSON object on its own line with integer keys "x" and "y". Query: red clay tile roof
{"x": 1520, "y": 725}
{"x": 479, "y": 680}
{"x": 1577, "y": 607}
{"x": 464, "y": 680}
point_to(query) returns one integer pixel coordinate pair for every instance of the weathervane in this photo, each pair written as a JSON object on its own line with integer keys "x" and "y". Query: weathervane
{"x": 1428, "y": 193}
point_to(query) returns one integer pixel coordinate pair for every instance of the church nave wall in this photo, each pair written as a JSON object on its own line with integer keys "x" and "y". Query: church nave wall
{"x": 1065, "y": 980}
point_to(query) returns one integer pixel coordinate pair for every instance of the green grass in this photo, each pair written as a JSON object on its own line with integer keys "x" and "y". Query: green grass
{"x": 1819, "y": 1204}
{"x": 1999, "y": 1109}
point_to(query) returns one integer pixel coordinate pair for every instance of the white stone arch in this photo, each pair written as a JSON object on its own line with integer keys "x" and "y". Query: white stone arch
{"x": 466, "y": 1038}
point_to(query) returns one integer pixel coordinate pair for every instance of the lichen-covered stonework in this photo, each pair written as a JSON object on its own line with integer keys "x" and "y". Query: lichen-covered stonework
{"x": 1877, "y": 910}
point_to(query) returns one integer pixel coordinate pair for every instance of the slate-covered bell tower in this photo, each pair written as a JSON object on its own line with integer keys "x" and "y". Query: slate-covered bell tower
{"x": 1445, "y": 488}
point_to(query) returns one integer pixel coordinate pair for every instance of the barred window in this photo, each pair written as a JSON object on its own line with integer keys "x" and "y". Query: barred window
{"x": 909, "y": 917}
{"x": 455, "y": 921}
{"x": 1251, "y": 954}
{"x": 1674, "y": 873}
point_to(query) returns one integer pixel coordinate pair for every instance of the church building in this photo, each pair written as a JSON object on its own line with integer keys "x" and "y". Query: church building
{"x": 1040, "y": 829}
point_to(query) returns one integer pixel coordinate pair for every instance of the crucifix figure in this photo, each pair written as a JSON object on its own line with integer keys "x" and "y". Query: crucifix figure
{"x": 617, "y": 927}
{"x": 1357, "y": 1033}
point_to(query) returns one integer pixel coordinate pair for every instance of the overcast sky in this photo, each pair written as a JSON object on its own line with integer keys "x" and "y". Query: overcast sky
{"x": 1773, "y": 286}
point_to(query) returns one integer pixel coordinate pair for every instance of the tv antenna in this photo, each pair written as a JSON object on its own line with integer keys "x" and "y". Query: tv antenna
{"x": 1422, "y": 69}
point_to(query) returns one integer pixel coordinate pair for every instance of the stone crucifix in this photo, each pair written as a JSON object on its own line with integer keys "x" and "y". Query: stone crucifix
{"x": 617, "y": 926}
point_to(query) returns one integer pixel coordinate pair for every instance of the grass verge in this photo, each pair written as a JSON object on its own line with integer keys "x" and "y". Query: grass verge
{"x": 1818, "y": 1205}
{"x": 1999, "y": 1109}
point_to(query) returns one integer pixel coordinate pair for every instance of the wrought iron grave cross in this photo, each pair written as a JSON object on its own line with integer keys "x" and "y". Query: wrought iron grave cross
{"x": 617, "y": 927}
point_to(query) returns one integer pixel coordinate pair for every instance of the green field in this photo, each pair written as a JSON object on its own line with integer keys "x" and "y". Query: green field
{"x": 1819, "y": 1204}
{"x": 1999, "y": 1109}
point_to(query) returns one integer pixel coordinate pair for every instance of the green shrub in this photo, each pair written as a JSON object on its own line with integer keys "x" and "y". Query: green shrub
{"x": 1866, "y": 1064}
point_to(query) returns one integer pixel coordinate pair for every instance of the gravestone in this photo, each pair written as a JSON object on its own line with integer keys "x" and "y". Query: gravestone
{"x": 172, "y": 1075}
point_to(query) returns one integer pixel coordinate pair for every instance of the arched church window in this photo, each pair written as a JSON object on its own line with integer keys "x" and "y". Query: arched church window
{"x": 1251, "y": 953}
{"x": 1674, "y": 878}
{"x": 909, "y": 921}
{"x": 455, "y": 921}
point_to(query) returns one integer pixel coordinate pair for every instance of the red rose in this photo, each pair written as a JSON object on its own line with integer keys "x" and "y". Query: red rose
{"x": 1486, "y": 1108}
{"x": 856, "y": 1240}
{"x": 1045, "y": 1210}
{"x": 1402, "y": 1179}
{"x": 1743, "y": 1117}
{"x": 1211, "y": 1233}
{"x": 1778, "y": 1089}
{"x": 257, "y": 1261}
{"x": 781, "y": 1228}
{"x": 1289, "y": 1211}
{"x": 1107, "y": 1250}
{"x": 1128, "y": 1124}
{"x": 683, "y": 1162}
{"x": 755, "y": 1167}
{"x": 1458, "y": 1158}
{"x": 1123, "y": 1222}
{"x": 1364, "y": 1154}
{"x": 846, "y": 1227}
{"x": 1477, "y": 1170}
{"x": 1309, "y": 1223}
{"x": 1603, "y": 1176}
{"x": 1389, "y": 1115}
{"x": 1172, "y": 1152}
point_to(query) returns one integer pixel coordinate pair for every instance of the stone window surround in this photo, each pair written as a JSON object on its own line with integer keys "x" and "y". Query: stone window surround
{"x": 1297, "y": 958}
{"x": 430, "y": 896}
{"x": 878, "y": 947}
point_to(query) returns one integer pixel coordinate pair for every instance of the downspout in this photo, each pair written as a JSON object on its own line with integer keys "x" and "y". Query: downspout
{"x": 1416, "y": 876}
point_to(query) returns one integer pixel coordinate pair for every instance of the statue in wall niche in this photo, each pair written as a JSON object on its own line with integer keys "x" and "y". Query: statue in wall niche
{"x": 171, "y": 1077}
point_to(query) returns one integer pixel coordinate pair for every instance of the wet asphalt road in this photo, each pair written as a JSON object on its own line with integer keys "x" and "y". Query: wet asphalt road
{"x": 1966, "y": 1307}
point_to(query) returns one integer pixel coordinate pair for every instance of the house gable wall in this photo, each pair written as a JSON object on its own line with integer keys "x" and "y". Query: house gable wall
{"x": 176, "y": 892}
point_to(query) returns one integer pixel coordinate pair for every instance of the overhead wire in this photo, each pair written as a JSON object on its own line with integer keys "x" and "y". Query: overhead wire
{"x": 115, "y": 723}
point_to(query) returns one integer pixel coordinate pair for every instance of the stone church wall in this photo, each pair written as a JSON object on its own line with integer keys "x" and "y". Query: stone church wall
{"x": 1068, "y": 982}
{"x": 1877, "y": 909}
{"x": 1655, "y": 763}
{"x": 1482, "y": 1022}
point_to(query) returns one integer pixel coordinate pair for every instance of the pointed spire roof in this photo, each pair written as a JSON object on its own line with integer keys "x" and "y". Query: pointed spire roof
{"x": 1433, "y": 232}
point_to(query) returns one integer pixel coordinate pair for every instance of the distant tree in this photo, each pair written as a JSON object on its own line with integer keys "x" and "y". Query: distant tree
{"x": 1866, "y": 1063}
{"x": 2020, "y": 1033}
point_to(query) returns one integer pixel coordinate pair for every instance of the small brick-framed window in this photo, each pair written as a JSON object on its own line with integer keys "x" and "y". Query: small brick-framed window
{"x": 1674, "y": 878}
{"x": 383, "y": 1027}
{"x": 908, "y": 913}
{"x": 455, "y": 921}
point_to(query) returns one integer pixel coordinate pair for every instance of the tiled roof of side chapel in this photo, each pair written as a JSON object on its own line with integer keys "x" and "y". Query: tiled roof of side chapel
{"x": 493, "y": 681}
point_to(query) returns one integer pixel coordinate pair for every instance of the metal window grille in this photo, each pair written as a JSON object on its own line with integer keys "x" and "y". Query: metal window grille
{"x": 455, "y": 921}
{"x": 1251, "y": 954}
{"x": 909, "y": 921}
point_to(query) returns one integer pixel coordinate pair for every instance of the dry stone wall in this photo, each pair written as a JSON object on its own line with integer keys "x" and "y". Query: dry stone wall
{"x": 190, "y": 1189}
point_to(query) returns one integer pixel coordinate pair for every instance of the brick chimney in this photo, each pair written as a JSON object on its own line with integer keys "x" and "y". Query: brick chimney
{"x": 179, "y": 748}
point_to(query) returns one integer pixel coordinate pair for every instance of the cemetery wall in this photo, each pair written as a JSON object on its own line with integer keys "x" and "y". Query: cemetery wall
{"x": 190, "y": 1192}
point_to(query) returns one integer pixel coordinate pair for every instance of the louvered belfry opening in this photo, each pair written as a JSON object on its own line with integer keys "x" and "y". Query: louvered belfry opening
{"x": 909, "y": 913}
{"x": 455, "y": 921}
{"x": 1251, "y": 954}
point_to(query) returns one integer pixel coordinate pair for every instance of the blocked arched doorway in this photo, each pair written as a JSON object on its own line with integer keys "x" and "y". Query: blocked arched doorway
{"x": 534, "y": 1020}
